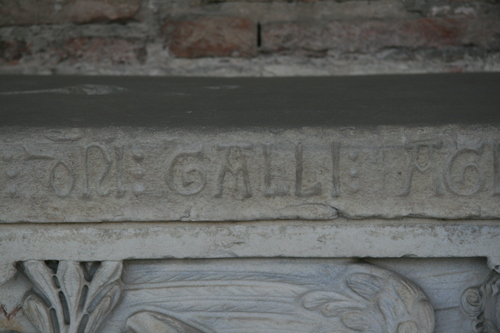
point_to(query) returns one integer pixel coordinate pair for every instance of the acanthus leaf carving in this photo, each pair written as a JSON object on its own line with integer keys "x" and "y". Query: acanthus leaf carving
{"x": 71, "y": 297}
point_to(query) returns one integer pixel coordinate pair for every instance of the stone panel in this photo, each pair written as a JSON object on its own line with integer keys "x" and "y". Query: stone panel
{"x": 120, "y": 175}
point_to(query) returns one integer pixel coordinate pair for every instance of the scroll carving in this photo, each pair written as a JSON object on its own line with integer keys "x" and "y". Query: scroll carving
{"x": 69, "y": 296}
{"x": 482, "y": 304}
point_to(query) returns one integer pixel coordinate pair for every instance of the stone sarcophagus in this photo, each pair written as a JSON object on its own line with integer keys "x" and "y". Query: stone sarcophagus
{"x": 315, "y": 205}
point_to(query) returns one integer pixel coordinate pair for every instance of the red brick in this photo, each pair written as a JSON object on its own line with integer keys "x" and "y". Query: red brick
{"x": 211, "y": 36}
{"x": 12, "y": 51}
{"x": 372, "y": 36}
{"x": 103, "y": 50}
{"x": 30, "y": 12}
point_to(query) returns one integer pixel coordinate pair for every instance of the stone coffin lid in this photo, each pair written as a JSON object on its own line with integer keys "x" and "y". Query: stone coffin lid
{"x": 91, "y": 149}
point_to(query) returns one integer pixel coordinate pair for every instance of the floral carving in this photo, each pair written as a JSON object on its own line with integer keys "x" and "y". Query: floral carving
{"x": 482, "y": 304}
{"x": 69, "y": 296}
{"x": 376, "y": 304}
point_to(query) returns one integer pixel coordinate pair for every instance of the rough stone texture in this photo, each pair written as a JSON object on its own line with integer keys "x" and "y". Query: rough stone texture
{"x": 255, "y": 38}
{"x": 33, "y": 12}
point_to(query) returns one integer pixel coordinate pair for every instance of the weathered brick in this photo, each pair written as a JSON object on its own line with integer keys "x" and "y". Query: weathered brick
{"x": 211, "y": 36}
{"x": 11, "y": 51}
{"x": 30, "y": 12}
{"x": 372, "y": 36}
{"x": 114, "y": 51}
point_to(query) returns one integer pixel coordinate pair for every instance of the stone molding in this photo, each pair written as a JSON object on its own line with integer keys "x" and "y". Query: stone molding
{"x": 414, "y": 238}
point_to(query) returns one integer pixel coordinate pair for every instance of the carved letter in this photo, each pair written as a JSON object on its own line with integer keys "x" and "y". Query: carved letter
{"x": 240, "y": 169}
{"x": 70, "y": 182}
{"x": 193, "y": 177}
{"x": 453, "y": 185}
{"x": 416, "y": 165}
{"x": 107, "y": 162}
{"x": 300, "y": 191}
{"x": 281, "y": 190}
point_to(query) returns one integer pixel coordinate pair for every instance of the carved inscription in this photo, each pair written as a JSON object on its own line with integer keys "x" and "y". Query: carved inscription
{"x": 286, "y": 177}
{"x": 462, "y": 171}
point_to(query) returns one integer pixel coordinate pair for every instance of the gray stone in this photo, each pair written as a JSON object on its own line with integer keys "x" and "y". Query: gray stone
{"x": 312, "y": 205}
{"x": 120, "y": 149}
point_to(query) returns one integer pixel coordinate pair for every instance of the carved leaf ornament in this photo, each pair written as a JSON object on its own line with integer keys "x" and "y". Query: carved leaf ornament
{"x": 69, "y": 296}
{"x": 377, "y": 305}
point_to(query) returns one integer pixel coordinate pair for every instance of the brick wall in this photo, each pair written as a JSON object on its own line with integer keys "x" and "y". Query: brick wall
{"x": 252, "y": 37}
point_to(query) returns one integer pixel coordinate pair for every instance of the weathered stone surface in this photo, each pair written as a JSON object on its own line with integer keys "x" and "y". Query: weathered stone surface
{"x": 187, "y": 150}
{"x": 396, "y": 173}
{"x": 376, "y": 238}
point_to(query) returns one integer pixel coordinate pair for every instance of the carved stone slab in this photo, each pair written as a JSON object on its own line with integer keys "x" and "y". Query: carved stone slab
{"x": 117, "y": 174}
{"x": 370, "y": 205}
{"x": 252, "y": 295}
{"x": 120, "y": 149}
